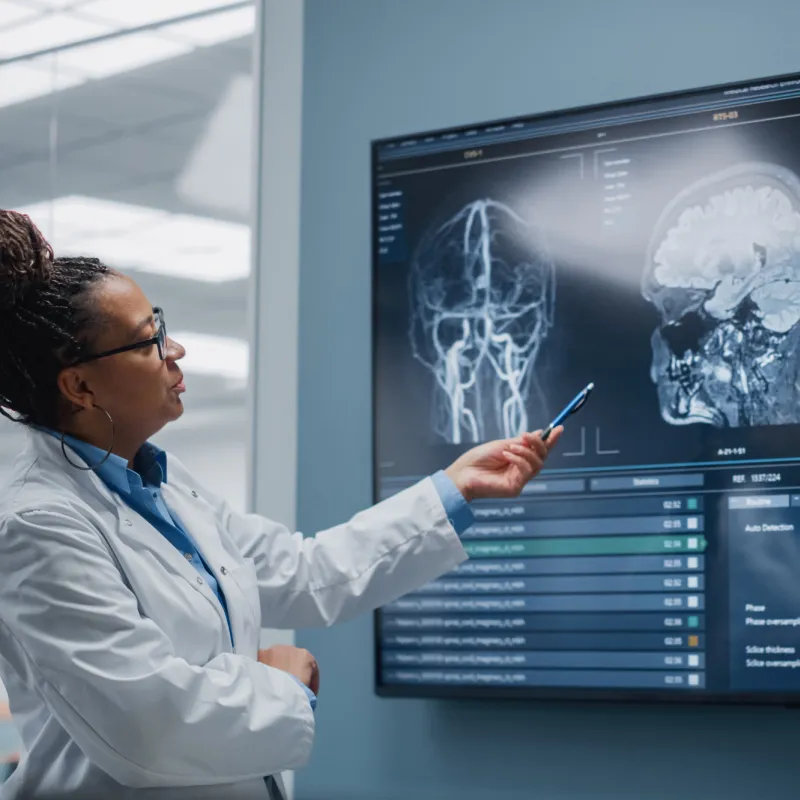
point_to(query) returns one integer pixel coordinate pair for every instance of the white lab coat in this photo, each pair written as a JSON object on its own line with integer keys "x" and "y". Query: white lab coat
{"x": 117, "y": 656}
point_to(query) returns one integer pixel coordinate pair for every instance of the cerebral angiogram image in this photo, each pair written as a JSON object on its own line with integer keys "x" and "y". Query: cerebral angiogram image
{"x": 482, "y": 298}
{"x": 723, "y": 271}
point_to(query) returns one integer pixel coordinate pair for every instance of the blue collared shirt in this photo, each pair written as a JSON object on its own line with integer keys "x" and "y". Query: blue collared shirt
{"x": 140, "y": 488}
{"x": 456, "y": 507}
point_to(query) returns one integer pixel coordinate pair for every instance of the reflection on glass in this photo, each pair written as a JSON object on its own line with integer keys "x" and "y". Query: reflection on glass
{"x": 136, "y": 149}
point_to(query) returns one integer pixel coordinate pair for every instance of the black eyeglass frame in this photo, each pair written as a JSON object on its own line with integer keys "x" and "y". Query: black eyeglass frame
{"x": 160, "y": 340}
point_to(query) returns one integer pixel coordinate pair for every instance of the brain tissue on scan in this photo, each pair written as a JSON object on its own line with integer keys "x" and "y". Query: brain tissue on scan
{"x": 723, "y": 270}
{"x": 482, "y": 297}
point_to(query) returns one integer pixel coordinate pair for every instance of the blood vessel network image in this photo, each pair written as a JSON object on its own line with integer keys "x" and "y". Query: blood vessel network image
{"x": 482, "y": 298}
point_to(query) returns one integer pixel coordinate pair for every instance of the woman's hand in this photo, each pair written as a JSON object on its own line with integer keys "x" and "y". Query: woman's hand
{"x": 501, "y": 468}
{"x": 295, "y": 661}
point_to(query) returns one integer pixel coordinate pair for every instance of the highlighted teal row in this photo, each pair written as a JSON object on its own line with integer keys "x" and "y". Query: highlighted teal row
{"x": 607, "y": 545}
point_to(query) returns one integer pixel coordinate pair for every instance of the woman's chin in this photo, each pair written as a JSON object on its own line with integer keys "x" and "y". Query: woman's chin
{"x": 176, "y": 408}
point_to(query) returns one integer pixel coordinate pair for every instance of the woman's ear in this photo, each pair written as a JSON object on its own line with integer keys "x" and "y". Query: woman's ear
{"x": 74, "y": 389}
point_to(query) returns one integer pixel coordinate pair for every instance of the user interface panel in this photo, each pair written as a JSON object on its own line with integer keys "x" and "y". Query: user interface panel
{"x": 653, "y": 248}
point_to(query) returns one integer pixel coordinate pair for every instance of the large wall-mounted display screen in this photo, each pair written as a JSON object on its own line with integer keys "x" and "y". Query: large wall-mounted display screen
{"x": 652, "y": 247}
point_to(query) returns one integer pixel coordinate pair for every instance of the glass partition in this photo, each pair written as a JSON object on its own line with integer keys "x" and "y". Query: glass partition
{"x": 125, "y": 133}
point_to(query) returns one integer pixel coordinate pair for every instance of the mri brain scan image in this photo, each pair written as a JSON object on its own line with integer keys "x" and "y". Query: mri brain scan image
{"x": 723, "y": 271}
{"x": 482, "y": 298}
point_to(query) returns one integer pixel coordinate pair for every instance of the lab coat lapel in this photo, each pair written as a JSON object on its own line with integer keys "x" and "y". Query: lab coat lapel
{"x": 200, "y": 524}
{"x": 131, "y": 526}
{"x": 137, "y": 531}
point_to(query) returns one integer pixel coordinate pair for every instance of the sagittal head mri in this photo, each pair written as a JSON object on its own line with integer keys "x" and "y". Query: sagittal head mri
{"x": 723, "y": 271}
{"x": 482, "y": 300}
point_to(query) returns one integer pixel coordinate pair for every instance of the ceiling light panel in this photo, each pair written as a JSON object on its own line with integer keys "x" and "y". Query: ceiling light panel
{"x": 131, "y": 237}
{"x": 27, "y": 27}
{"x": 52, "y": 5}
{"x": 123, "y": 54}
{"x": 215, "y": 29}
{"x": 138, "y": 254}
{"x": 46, "y": 31}
{"x": 13, "y": 13}
{"x": 88, "y": 217}
{"x": 27, "y": 80}
{"x": 132, "y": 13}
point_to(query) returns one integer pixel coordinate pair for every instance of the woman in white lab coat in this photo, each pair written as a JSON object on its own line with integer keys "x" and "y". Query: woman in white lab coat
{"x": 131, "y": 598}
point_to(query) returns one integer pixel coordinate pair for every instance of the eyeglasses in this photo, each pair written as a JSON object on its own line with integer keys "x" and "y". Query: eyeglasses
{"x": 160, "y": 340}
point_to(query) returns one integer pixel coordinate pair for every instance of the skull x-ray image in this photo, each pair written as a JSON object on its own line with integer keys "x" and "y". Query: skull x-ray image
{"x": 723, "y": 270}
{"x": 482, "y": 300}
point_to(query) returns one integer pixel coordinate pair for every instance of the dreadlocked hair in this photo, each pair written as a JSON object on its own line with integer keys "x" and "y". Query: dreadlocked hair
{"x": 46, "y": 319}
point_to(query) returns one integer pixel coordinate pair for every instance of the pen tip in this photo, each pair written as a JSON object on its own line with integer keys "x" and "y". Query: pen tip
{"x": 590, "y": 387}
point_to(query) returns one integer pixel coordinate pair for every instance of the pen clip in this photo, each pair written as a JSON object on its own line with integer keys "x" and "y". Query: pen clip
{"x": 580, "y": 403}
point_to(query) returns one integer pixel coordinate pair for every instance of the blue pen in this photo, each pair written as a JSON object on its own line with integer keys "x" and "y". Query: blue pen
{"x": 574, "y": 404}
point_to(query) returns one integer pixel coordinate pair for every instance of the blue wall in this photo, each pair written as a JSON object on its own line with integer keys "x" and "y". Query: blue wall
{"x": 376, "y": 68}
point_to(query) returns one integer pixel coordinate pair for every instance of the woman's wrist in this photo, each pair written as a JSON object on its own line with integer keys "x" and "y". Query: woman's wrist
{"x": 456, "y": 474}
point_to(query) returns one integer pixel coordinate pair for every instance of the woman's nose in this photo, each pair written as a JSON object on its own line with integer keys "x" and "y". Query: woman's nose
{"x": 175, "y": 350}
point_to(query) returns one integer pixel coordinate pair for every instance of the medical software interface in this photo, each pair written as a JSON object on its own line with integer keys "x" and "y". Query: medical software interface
{"x": 653, "y": 248}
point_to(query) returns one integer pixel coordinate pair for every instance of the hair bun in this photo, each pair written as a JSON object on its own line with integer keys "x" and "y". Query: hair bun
{"x": 26, "y": 257}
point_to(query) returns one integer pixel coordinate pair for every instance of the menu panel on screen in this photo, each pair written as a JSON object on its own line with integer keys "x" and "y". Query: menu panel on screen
{"x": 651, "y": 247}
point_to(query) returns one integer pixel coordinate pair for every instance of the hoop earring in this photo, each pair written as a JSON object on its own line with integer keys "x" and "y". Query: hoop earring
{"x": 103, "y": 460}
